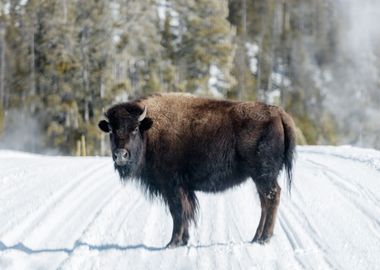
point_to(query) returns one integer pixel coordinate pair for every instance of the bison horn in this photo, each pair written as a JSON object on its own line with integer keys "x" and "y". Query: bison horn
{"x": 142, "y": 116}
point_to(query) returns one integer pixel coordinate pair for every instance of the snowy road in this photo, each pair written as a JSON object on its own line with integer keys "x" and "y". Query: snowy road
{"x": 72, "y": 213}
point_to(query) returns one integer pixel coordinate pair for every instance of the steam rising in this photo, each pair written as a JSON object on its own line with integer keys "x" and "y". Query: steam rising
{"x": 353, "y": 93}
{"x": 23, "y": 133}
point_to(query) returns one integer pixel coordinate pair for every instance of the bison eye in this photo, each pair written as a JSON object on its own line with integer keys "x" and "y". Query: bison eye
{"x": 134, "y": 132}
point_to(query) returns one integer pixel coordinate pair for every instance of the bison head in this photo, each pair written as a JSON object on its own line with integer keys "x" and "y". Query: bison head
{"x": 126, "y": 126}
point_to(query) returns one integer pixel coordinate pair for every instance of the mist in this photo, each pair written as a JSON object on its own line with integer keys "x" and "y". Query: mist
{"x": 353, "y": 89}
{"x": 23, "y": 132}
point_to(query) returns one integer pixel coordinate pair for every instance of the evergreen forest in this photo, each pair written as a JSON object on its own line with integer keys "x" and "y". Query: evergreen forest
{"x": 64, "y": 62}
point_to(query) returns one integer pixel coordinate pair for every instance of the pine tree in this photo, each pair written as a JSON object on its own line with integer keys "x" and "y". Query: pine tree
{"x": 205, "y": 44}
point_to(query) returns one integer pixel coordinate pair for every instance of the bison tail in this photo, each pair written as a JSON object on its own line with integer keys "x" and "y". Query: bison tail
{"x": 290, "y": 145}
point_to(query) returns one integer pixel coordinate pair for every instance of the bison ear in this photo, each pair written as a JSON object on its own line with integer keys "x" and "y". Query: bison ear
{"x": 146, "y": 124}
{"x": 104, "y": 126}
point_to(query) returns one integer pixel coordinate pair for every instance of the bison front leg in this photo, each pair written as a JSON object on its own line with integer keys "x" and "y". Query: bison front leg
{"x": 270, "y": 199}
{"x": 178, "y": 229}
{"x": 182, "y": 206}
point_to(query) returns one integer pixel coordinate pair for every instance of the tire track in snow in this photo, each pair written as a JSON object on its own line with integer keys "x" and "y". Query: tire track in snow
{"x": 26, "y": 195}
{"x": 34, "y": 219}
{"x": 205, "y": 232}
{"x": 295, "y": 211}
{"x": 150, "y": 231}
{"x": 104, "y": 231}
{"x": 372, "y": 219}
{"x": 76, "y": 209}
{"x": 129, "y": 209}
{"x": 79, "y": 242}
{"x": 62, "y": 218}
{"x": 307, "y": 230}
{"x": 357, "y": 157}
{"x": 292, "y": 238}
{"x": 12, "y": 178}
{"x": 324, "y": 183}
{"x": 241, "y": 248}
{"x": 233, "y": 232}
{"x": 348, "y": 184}
{"x": 214, "y": 238}
{"x": 219, "y": 260}
{"x": 341, "y": 182}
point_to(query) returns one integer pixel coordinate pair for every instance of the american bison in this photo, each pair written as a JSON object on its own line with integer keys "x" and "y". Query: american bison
{"x": 176, "y": 144}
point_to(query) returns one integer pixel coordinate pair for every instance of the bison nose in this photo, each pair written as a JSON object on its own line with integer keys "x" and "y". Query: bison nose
{"x": 121, "y": 156}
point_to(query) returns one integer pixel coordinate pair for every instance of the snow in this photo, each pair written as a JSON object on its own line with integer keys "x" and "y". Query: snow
{"x": 72, "y": 213}
{"x": 252, "y": 53}
{"x": 215, "y": 81}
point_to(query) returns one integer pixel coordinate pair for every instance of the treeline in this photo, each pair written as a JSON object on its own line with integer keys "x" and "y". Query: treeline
{"x": 62, "y": 62}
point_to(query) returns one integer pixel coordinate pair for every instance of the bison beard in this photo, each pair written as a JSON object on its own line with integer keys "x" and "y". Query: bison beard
{"x": 178, "y": 144}
{"x": 127, "y": 171}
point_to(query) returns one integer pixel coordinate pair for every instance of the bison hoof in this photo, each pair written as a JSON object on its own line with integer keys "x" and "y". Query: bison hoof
{"x": 264, "y": 239}
{"x": 176, "y": 243}
{"x": 255, "y": 239}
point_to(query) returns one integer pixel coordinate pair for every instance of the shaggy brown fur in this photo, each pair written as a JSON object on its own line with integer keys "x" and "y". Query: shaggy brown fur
{"x": 186, "y": 144}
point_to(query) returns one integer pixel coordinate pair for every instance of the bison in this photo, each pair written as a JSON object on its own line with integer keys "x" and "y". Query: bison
{"x": 177, "y": 144}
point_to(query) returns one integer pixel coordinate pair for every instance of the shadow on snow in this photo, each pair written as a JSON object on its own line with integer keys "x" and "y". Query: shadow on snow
{"x": 78, "y": 244}
{"x": 106, "y": 247}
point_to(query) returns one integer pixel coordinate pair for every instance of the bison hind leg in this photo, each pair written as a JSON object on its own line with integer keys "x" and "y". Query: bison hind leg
{"x": 269, "y": 193}
{"x": 183, "y": 206}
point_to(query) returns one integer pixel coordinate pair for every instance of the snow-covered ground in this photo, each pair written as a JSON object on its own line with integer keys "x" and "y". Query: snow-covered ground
{"x": 72, "y": 213}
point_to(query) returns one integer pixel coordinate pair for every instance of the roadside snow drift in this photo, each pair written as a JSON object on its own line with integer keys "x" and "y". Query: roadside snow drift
{"x": 73, "y": 213}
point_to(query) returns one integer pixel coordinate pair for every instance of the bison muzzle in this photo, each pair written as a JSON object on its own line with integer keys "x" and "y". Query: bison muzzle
{"x": 176, "y": 144}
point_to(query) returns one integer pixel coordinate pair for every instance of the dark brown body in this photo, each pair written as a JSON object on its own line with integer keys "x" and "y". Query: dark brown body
{"x": 197, "y": 144}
